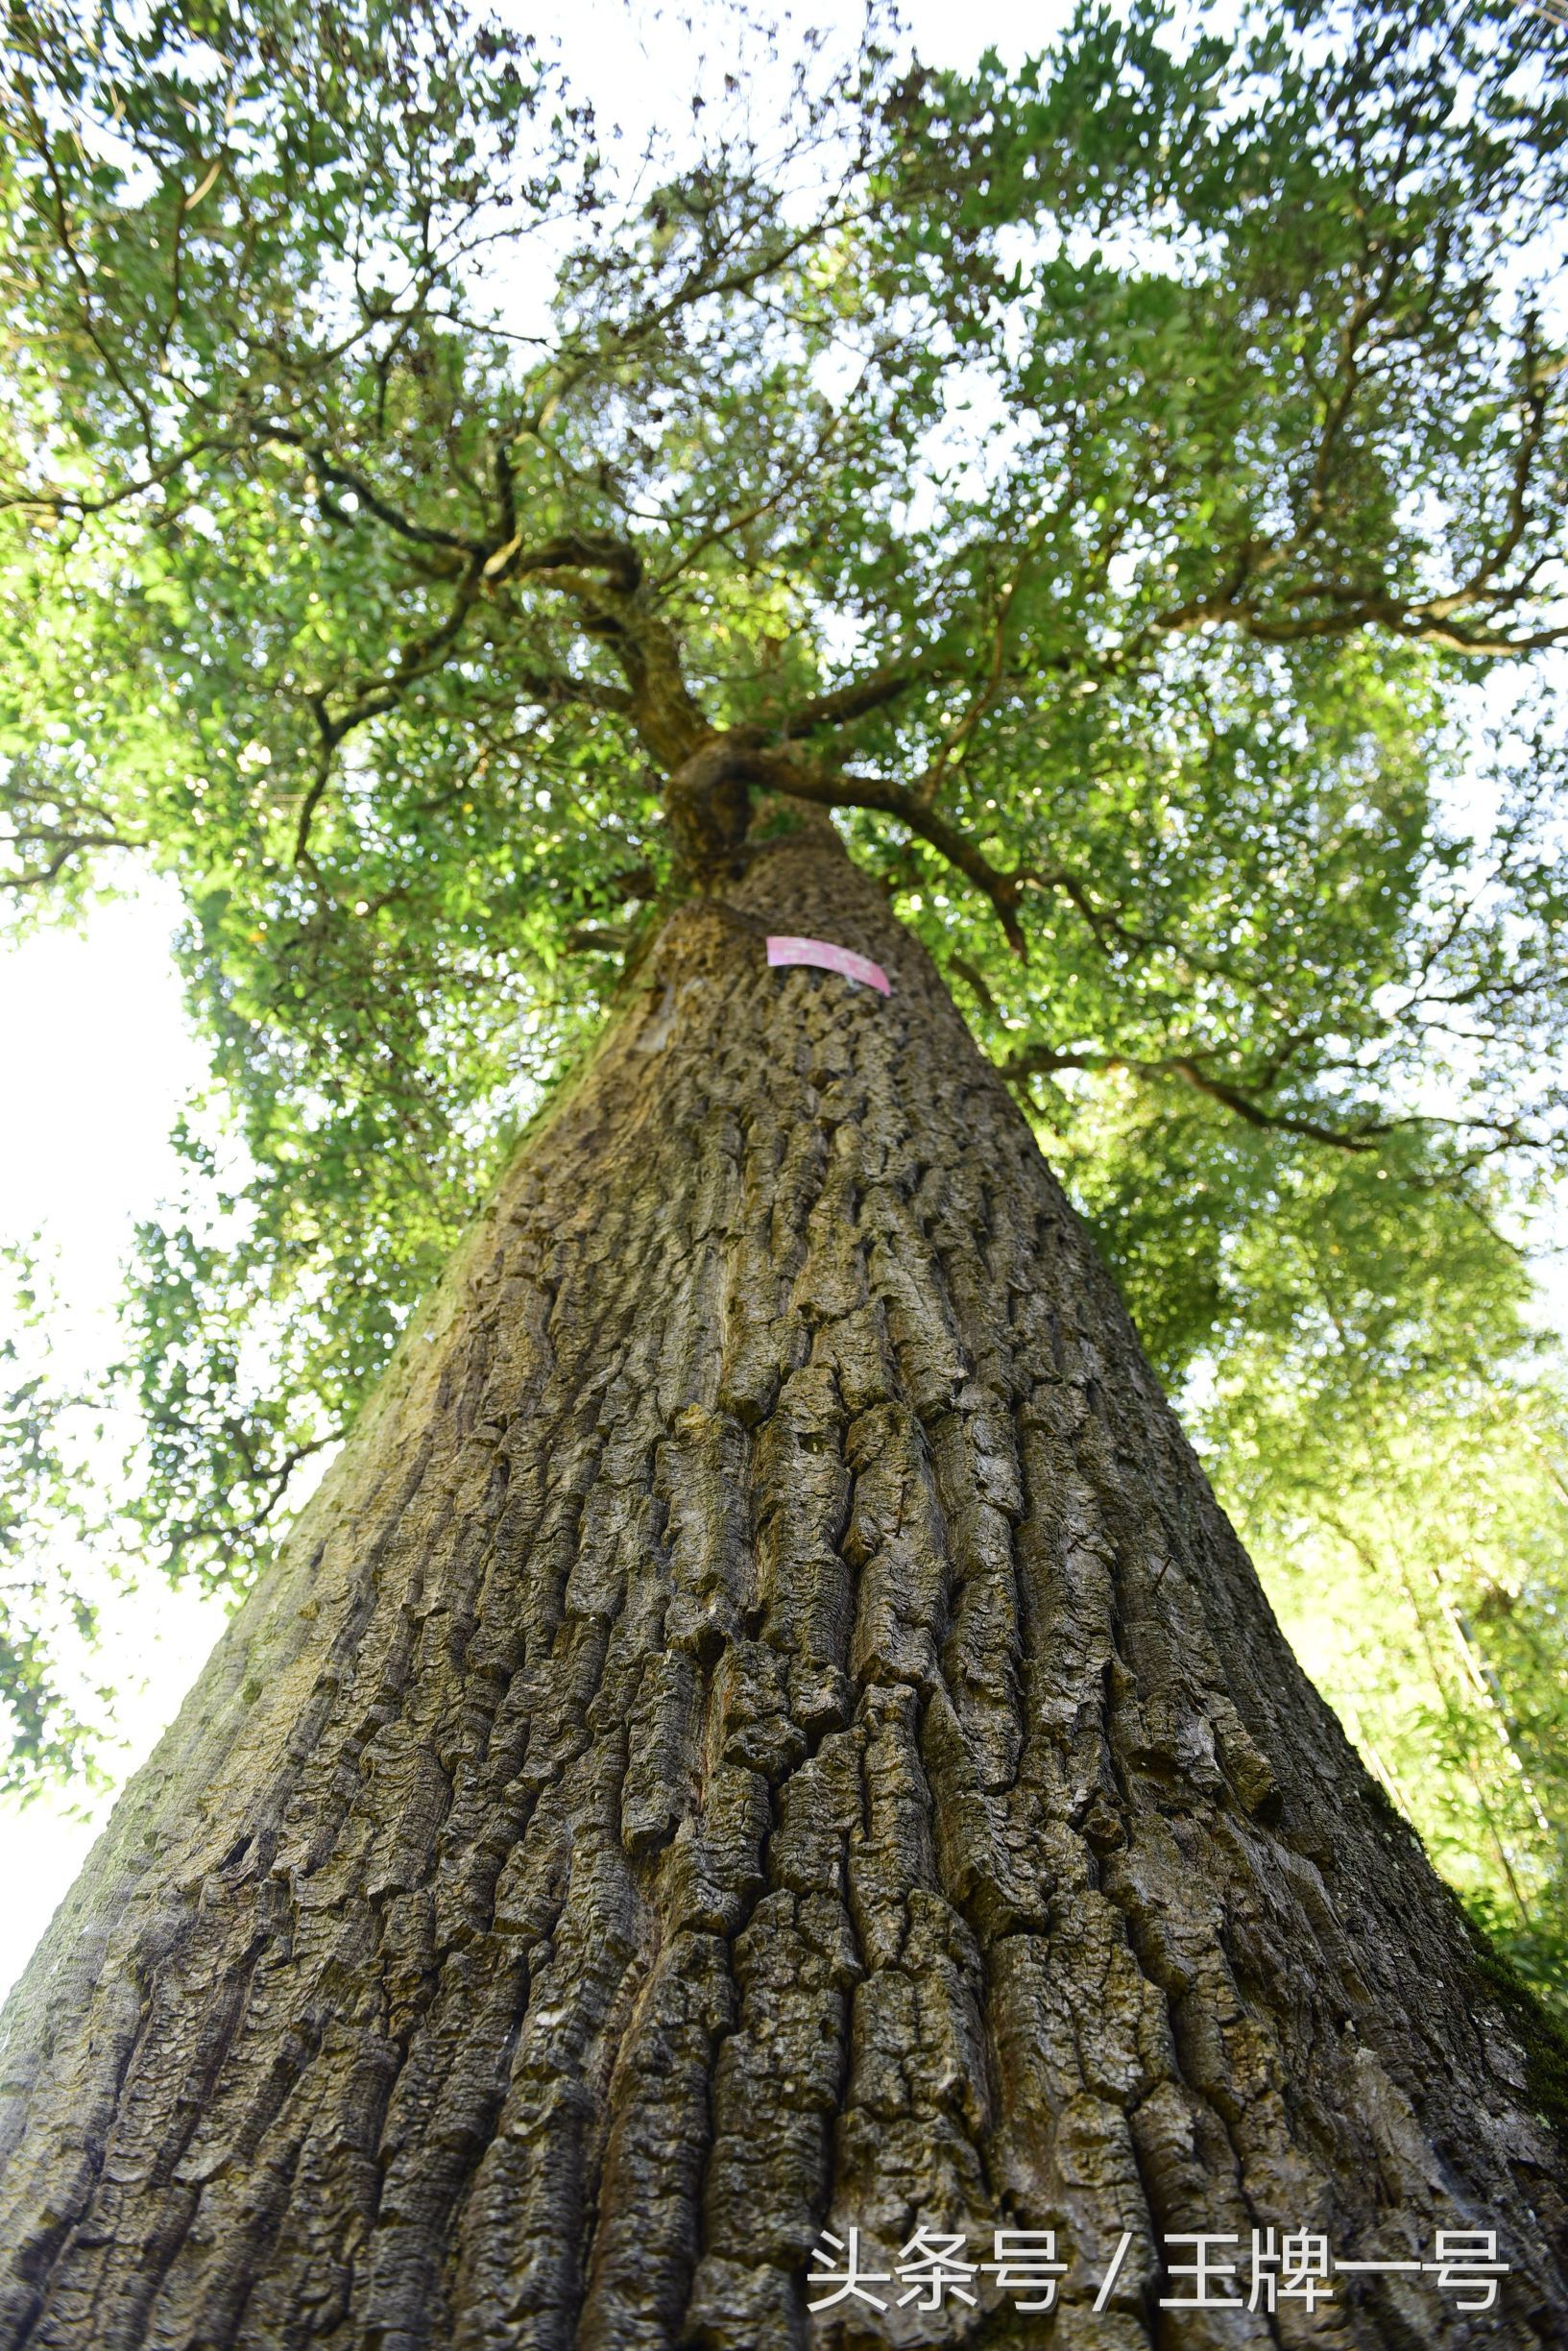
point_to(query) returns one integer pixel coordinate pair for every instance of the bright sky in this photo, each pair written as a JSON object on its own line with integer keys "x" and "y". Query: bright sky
{"x": 96, "y": 1059}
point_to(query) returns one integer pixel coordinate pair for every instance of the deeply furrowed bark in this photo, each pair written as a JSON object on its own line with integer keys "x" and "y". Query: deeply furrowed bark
{"x": 765, "y": 1727}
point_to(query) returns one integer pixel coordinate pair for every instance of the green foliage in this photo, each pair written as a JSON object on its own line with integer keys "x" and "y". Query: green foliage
{"x": 1100, "y": 485}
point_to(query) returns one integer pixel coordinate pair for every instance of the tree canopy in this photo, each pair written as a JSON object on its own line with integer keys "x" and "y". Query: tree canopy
{"x": 1127, "y": 491}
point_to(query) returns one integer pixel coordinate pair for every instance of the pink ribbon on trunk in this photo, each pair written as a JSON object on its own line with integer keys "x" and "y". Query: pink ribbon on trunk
{"x": 827, "y": 957}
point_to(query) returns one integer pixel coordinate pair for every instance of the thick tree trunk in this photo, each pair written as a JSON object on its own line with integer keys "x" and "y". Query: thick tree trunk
{"x": 766, "y": 1728}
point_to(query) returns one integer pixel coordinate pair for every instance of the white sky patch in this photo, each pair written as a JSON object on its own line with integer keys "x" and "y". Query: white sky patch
{"x": 96, "y": 1058}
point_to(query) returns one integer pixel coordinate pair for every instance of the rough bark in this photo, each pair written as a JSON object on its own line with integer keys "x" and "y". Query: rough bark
{"x": 765, "y": 1727}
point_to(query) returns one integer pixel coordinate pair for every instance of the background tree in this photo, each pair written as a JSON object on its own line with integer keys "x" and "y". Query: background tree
{"x": 40, "y": 1489}
{"x": 469, "y": 567}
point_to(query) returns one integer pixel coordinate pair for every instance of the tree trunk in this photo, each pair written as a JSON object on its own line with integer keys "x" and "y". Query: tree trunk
{"x": 764, "y": 1729}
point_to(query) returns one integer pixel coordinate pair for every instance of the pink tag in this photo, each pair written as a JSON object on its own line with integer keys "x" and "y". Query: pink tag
{"x": 829, "y": 957}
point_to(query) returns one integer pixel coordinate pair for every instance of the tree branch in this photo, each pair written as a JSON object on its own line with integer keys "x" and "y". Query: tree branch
{"x": 66, "y": 845}
{"x": 1040, "y": 1060}
{"x": 348, "y": 477}
{"x": 853, "y": 700}
{"x": 829, "y": 789}
{"x": 1360, "y": 608}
